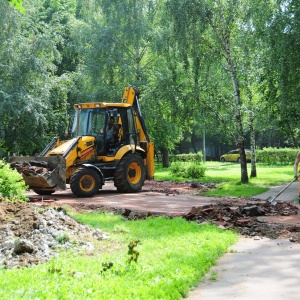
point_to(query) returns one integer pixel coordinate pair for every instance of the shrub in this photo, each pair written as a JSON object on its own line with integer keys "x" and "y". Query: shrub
{"x": 191, "y": 157}
{"x": 12, "y": 185}
{"x": 285, "y": 156}
{"x": 187, "y": 170}
{"x": 195, "y": 171}
{"x": 177, "y": 168}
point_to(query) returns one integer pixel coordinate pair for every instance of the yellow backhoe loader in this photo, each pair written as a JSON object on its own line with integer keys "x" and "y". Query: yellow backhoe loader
{"x": 109, "y": 142}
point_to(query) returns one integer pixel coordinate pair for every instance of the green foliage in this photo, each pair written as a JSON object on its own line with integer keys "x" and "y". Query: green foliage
{"x": 132, "y": 252}
{"x": 62, "y": 238}
{"x": 191, "y": 157}
{"x": 187, "y": 170}
{"x": 195, "y": 170}
{"x": 187, "y": 165}
{"x": 62, "y": 52}
{"x": 12, "y": 185}
{"x": 17, "y": 4}
{"x": 272, "y": 156}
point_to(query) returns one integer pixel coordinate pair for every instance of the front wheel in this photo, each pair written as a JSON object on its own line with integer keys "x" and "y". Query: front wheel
{"x": 85, "y": 182}
{"x": 222, "y": 159}
{"x": 130, "y": 174}
{"x": 239, "y": 160}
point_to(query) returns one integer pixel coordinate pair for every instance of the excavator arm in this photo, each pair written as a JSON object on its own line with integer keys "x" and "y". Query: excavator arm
{"x": 130, "y": 96}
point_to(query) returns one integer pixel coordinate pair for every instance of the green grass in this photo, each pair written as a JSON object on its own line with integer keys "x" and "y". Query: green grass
{"x": 173, "y": 256}
{"x": 227, "y": 177}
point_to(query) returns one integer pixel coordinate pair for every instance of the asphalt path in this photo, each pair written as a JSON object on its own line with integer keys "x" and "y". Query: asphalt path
{"x": 155, "y": 202}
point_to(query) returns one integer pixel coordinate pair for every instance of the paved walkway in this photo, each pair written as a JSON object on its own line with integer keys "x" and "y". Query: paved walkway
{"x": 256, "y": 268}
{"x": 289, "y": 194}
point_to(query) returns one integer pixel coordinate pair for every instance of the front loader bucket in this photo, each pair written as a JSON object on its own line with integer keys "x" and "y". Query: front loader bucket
{"x": 40, "y": 172}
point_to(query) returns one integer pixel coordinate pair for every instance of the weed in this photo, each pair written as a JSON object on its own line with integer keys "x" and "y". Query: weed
{"x": 213, "y": 275}
{"x": 62, "y": 238}
{"x": 132, "y": 252}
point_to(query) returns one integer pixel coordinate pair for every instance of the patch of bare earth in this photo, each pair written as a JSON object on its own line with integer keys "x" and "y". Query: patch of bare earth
{"x": 174, "y": 187}
{"x": 31, "y": 233}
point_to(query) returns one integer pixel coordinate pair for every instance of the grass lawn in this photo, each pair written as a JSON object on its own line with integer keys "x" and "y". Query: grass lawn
{"x": 172, "y": 255}
{"x": 227, "y": 176}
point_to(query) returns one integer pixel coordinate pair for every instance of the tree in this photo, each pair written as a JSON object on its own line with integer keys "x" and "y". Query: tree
{"x": 32, "y": 99}
{"x": 281, "y": 39}
{"x": 115, "y": 47}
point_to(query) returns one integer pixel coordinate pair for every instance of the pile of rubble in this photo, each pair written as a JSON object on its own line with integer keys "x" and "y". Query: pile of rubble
{"x": 31, "y": 167}
{"x": 249, "y": 218}
{"x": 32, "y": 234}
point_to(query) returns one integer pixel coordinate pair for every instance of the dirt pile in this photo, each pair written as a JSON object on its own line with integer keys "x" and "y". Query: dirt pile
{"x": 175, "y": 187}
{"x": 31, "y": 234}
{"x": 249, "y": 218}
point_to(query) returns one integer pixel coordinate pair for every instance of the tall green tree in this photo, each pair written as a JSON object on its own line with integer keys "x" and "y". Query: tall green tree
{"x": 281, "y": 37}
{"x": 116, "y": 44}
{"x": 220, "y": 26}
{"x": 32, "y": 98}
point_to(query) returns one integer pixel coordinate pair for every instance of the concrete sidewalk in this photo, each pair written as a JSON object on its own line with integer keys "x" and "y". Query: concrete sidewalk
{"x": 256, "y": 268}
{"x": 290, "y": 194}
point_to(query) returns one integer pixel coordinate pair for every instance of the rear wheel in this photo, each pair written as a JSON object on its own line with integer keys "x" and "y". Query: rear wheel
{"x": 43, "y": 192}
{"x": 239, "y": 160}
{"x": 222, "y": 159}
{"x": 130, "y": 174}
{"x": 85, "y": 182}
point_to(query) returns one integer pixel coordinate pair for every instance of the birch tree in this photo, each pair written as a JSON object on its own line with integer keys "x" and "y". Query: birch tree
{"x": 218, "y": 25}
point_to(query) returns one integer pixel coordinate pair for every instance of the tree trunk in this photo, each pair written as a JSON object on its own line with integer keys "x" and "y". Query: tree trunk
{"x": 253, "y": 153}
{"x": 193, "y": 143}
{"x": 238, "y": 116}
{"x": 165, "y": 157}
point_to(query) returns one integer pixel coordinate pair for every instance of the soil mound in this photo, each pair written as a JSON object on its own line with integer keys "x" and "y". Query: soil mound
{"x": 30, "y": 234}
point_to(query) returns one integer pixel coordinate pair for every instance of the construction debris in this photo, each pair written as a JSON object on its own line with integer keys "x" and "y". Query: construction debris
{"x": 248, "y": 218}
{"x": 32, "y": 168}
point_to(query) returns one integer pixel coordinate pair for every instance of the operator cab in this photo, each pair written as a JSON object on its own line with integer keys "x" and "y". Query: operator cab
{"x": 111, "y": 126}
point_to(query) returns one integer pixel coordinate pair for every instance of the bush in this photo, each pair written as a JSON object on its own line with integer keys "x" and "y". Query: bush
{"x": 270, "y": 156}
{"x": 191, "y": 157}
{"x": 177, "y": 168}
{"x": 195, "y": 171}
{"x": 12, "y": 185}
{"x": 187, "y": 170}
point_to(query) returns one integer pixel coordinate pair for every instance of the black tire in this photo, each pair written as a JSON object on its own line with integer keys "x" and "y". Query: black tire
{"x": 222, "y": 159}
{"x": 43, "y": 192}
{"x": 130, "y": 174}
{"x": 85, "y": 182}
{"x": 238, "y": 160}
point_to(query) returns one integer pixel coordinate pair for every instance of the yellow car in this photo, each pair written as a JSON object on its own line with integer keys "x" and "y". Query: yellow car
{"x": 234, "y": 155}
